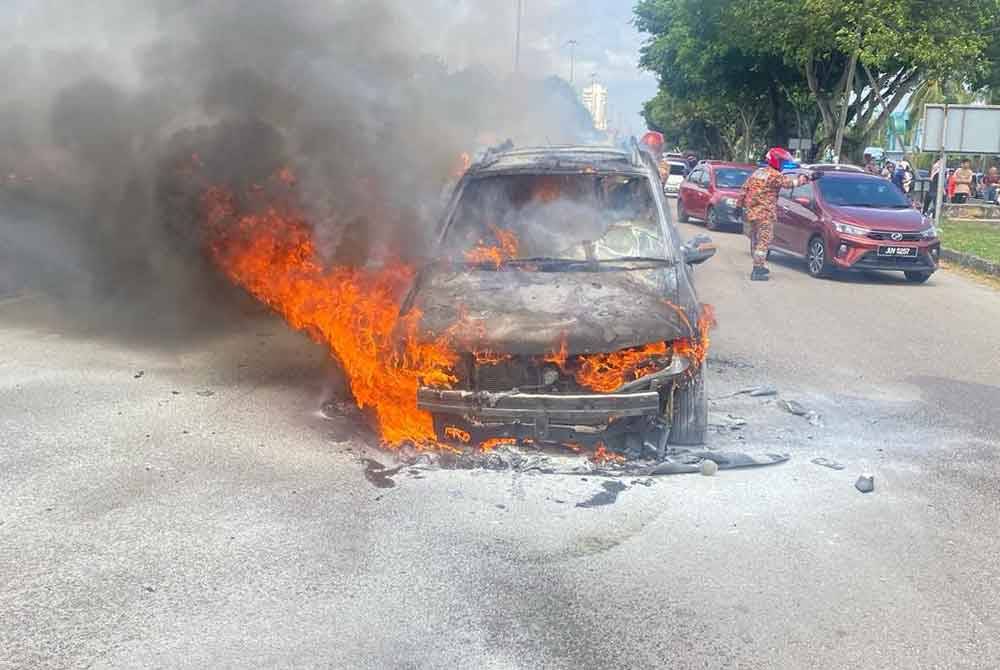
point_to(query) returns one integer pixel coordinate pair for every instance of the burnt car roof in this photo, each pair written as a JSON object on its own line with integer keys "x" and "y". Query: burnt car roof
{"x": 581, "y": 158}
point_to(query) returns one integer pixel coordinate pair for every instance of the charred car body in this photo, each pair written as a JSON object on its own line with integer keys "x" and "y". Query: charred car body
{"x": 561, "y": 275}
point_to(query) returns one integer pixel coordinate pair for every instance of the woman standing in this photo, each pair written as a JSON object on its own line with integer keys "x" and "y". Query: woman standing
{"x": 963, "y": 182}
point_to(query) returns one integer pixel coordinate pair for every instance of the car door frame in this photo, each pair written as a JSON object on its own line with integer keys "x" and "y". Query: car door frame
{"x": 801, "y": 221}
{"x": 689, "y": 187}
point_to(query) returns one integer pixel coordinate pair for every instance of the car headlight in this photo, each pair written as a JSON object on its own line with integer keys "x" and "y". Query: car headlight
{"x": 730, "y": 202}
{"x": 848, "y": 229}
{"x": 929, "y": 233}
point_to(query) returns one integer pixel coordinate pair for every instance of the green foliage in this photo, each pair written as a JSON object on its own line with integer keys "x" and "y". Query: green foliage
{"x": 777, "y": 55}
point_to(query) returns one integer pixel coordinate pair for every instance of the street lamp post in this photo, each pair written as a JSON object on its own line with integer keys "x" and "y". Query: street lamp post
{"x": 517, "y": 37}
{"x": 572, "y": 60}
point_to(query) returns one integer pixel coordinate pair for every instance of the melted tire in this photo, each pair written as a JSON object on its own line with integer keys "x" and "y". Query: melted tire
{"x": 690, "y": 421}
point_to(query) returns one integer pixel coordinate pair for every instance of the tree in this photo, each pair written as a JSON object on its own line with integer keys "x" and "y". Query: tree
{"x": 896, "y": 44}
{"x": 694, "y": 59}
{"x": 856, "y": 58}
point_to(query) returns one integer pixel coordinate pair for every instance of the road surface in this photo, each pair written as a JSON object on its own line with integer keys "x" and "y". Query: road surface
{"x": 186, "y": 505}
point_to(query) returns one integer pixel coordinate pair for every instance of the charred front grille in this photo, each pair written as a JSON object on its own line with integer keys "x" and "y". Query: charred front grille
{"x": 906, "y": 237}
{"x": 515, "y": 372}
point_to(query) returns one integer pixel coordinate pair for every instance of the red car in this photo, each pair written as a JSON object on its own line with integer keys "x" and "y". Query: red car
{"x": 711, "y": 193}
{"x": 853, "y": 221}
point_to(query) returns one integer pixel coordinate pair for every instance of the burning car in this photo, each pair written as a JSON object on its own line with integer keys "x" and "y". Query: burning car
{"x": 565, "y": 287}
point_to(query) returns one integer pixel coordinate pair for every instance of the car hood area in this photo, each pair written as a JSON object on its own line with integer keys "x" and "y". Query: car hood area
{"x": 533, "y": 313}
{"x": 893, "y": 220}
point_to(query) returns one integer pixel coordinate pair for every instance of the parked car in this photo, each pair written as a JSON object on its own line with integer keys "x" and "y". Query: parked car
{"x": 563, "y": 276}
{"x": 711, "y": 194}
{"x": 855, "y": 221}
{"x": 678, "y": 169}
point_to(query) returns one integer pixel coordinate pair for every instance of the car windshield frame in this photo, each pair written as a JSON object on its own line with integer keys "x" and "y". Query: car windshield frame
{"x": 882, "y": 194}
{"x": 746, "y": 172}
{"x": 668, "y": 255}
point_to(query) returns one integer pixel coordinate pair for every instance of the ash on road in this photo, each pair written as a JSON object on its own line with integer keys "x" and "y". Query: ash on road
{"x": 147, "y": 523}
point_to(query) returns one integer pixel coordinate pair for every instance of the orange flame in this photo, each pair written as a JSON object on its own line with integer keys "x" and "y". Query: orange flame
{"x": 603, "y": 455}
{"x": 355, "y": 312}
{"x": 606, "y": 372}
{"x": 559, "y": 355}
{"x": 456, "y": 433}
{"x": 494, "y": 442}
{"x": 490, "y": 357}
{"x": 506, "y": 247}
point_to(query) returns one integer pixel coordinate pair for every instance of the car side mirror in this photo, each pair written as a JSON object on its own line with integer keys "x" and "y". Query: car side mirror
{"x": 699, "y": 249}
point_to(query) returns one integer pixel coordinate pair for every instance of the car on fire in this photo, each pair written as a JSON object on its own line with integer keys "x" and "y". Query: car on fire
{"x": 847, "y": 220}
{"x": 711, "y": 193}
{"x": 567, "y": 285}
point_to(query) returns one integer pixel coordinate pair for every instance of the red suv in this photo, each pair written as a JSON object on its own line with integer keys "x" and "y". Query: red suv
{"x": 852, "y": 221}
{"x": 711, "y": 193}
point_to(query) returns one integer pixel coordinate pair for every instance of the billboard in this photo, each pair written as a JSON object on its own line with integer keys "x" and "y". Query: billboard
{"x": 969, "y": 129}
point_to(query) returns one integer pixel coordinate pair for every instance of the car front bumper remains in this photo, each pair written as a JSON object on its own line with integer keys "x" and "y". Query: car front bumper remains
{"x": 556, "y": 417}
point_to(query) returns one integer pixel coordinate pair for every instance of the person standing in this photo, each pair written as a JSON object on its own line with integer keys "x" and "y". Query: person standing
{"x": 888, "y": 169}
{"x": 992, "y": 183}
{"x": 963, "y": 182}
{"x": 870, "y": 166}
{"x": 930, "y": 198}
{"x": 759, "y": 200}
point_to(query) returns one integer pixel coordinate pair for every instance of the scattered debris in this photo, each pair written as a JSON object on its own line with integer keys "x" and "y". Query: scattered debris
{"x": 865, "y": 483}
{"x": 798, "y": 409}
{"x": 606, "y": 497}
{"x": 709, "y": 468}
{"x": 379, "y": 475}
{"x": 827, "y": 463}
{"x": 148, "y": 587}
{"x": 753, "y": 392}
{"x": 727, "y": 422}
{"x": 206, "y": 394}
{"x": 139, "y": 374}
{"x": 175, "y": 393}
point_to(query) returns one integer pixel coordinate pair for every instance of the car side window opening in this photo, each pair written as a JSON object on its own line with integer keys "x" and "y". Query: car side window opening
{"x": 705, "y": 178}
{"x": 804, "y": 192}
{"x": 695, "y": 177}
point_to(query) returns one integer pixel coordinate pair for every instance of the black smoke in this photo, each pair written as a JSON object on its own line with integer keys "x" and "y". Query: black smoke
{"x": 119, "y": 112}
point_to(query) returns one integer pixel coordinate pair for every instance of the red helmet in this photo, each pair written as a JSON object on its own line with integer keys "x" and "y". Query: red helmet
{"x": 777, "y": 157}
{"x": 654, "y": 140}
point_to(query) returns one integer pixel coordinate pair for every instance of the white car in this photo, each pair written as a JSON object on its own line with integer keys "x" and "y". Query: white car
{"x": 672, "y": 183}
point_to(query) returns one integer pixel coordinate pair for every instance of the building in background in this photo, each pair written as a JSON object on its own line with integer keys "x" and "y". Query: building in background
{"x": 595, "y": 99}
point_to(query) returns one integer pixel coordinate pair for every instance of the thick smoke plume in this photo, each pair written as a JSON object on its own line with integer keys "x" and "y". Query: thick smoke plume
{"x": 117, "y": 113}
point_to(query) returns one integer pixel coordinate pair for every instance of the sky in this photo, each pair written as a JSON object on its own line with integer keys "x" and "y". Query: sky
{"x": 608, "y": 48}
{"x": 608, "y": 44}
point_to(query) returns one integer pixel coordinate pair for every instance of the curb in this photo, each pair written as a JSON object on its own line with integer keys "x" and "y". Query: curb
{"x": 971, "y": 262}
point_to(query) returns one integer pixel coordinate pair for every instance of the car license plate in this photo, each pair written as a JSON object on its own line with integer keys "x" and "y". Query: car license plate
{"x": 898, "y": 252}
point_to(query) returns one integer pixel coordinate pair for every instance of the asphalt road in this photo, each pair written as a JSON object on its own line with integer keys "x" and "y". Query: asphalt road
{"x": 185, "y": 505}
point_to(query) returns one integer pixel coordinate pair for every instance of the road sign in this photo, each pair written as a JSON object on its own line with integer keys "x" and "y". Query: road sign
{"x": 962, "y": 129}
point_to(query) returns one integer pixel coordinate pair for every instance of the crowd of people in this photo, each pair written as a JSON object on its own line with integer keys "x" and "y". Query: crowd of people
{"x": 963, "y": 184}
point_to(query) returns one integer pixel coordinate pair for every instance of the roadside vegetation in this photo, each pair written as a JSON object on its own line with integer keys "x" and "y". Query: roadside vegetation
{"x": 978, "y": 239}
{"x": 737, "y": 76}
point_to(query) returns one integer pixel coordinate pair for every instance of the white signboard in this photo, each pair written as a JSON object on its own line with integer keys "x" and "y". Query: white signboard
{"x": 968, "y": 129}
{"x": 800, "y": 143}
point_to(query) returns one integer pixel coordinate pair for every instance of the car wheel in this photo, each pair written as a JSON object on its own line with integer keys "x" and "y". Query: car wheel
{"x": 690, "y": 421}
{"x": 712, "y": 220}
{"x": 816, "y": 258}
{"x": 915, "y": 277}
{"x": 682, "y": 214}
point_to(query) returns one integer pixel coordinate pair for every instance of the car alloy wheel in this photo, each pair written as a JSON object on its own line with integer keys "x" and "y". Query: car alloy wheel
{"x": 816, "y": 258}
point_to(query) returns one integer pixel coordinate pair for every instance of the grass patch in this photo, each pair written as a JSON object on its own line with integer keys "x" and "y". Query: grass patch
{"x": 979, "y": 239}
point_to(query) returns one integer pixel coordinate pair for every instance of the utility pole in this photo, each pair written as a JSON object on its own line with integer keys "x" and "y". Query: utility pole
{"x": 572, "y": 60}
{"x": 517, "y": 37}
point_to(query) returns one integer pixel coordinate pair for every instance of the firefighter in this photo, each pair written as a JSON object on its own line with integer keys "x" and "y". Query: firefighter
{"x": 760, "y": 206}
